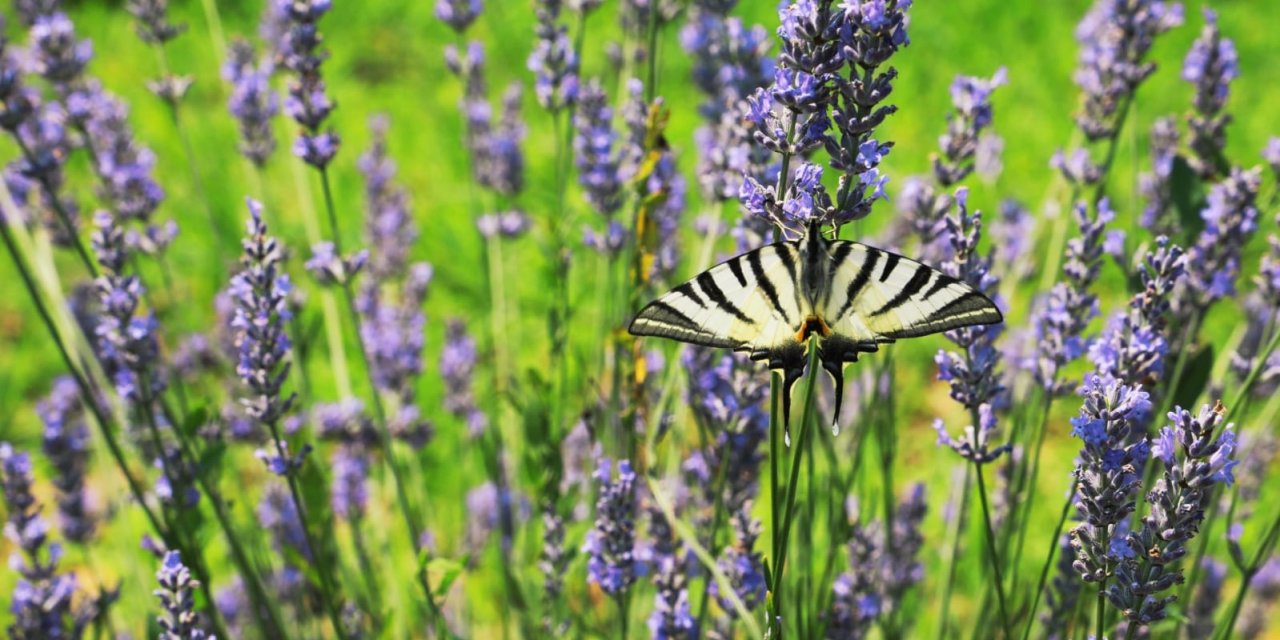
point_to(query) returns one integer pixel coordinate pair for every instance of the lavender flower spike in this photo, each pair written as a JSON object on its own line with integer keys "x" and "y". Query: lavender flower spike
{"x": 177, "y": 596}
{"x": 154, "y": 26}
{"x": 41, "y": 600}
{"x": 307, "y": 102}
{"x": 553, "y": 61}
{"x": 253, "y": 102}
{"x": 66, "y": 444}
{"x": 458, "y": 14}
{"x": 1210, "y": 65}
{"x": 1109, "y": 472}
{"x": 1197, "y": 455}
{"x": 971, "y": 98}
{"x": 611, "y": 543}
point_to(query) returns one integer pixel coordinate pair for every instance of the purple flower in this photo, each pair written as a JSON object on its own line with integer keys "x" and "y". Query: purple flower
{"x": 492, "y": 507}
{"x": 742, "y": 564}
{"x": 1062, "y": 595}
{"x": 971, "y": 98}
{"x": 41, "y": 600}
{"x": 278, "y": 514}
{"x": 595, "y": 151}
{"x": 458, "y": 14}
{"x": 729, "y": 60}
{"x": 856, "y": 598}
{"x": 124, "y": 165}
{"x": 508, "y": 224}
{"x": 553, "y": 562}
{"x": 350, "y": 494}
{"x": 1115, "y": 37}
{"x": 972, "y": 372}
{"x": 1133, "y": 345}
{"x": 253, "y": 102}
{"x": 260, "y": 291}
{"x": 66, "y": 445}
{"x": 30, "y": 10}
{"x": 672, "y": 619}
{"x": 1196, "y": 456}
{"x": 553, "y": 60}
{"x": 457, "y": 368}
{"x": 389, "y": 226}
{"x": 1210, "y": 65}
{"x": 177, "y": 596}
{"x": 153, "y": 21}
{"x": 127, "y": 341}
{"x": 58, "y": 56}
{"x": 1230, "y": 217}
{"x": 307, "y": 103}
{"x": 1064, "y": 314}
{"x": 610, "y": 545}
{"x": 726, "y": 155}
{"x": 328, "y": 268}
{"x": 1108, "y": 471}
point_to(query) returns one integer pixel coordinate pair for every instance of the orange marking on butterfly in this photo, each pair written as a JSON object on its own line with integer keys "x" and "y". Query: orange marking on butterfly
{"x": 813, "y": 324}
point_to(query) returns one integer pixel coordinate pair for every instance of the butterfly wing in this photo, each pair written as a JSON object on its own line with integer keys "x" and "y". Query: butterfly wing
{"x": 877, "y": 296}
{"x": 747, "y": 303}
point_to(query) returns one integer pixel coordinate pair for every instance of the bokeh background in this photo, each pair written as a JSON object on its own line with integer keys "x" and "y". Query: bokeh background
{"x": 387, "y": 58}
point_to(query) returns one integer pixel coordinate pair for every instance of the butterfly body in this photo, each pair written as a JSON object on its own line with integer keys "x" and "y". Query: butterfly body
{"x": 849, "y": 297}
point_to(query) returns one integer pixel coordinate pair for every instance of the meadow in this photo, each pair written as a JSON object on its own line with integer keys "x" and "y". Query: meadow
{"x": 380, "y": 384}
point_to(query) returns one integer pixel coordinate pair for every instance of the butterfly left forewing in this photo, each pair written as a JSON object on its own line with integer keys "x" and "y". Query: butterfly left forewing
{"x": 746, "y": 303}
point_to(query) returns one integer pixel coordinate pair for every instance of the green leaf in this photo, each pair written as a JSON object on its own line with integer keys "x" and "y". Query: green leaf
{"x": 1188, "y": 198}
{"x": 1195, "y": 377}
{"x": 443, "y": 572}
{"x": 194, "y": 420}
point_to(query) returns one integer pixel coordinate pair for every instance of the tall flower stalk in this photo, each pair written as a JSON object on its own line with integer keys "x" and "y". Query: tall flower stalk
{"x": 260, "y": 291}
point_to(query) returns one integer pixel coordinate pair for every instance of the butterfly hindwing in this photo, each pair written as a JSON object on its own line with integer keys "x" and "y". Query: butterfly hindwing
{"x": 879, "y": 296}
{"x": 747, "y": 303}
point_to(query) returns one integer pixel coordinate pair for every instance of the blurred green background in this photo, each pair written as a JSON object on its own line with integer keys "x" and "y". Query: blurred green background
{"x": 387, "y": 58}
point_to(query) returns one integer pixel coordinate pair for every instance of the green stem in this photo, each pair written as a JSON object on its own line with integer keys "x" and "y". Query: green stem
{"x": 87, "y": 394}
{"x": 319, "y": 561}
{"x": 991, "y": 551}
{"x": 189, "y": 150}
{"x": 407, "y": 512}
{"x": 51, "y": 194}
{"x": 791, "y": 489}
{"x": 1048, "y": 560}
{"x": 1099, "y": 611}
{"x": 956, "y": 535}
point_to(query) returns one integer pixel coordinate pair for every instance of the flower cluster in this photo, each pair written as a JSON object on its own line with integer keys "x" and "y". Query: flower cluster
{"x": 653, "y": 166}
{"x": 66, "y": 444}
{"x": 728, "y": 394}
{"x": 610, "y": 545}
{"x": 252, "y": 102}
{"x": 127, "y": 341}
{"x": 1133, "y": 345}
{"x": 458, "y": 14}
{"x": 972, "y": 374}
{"x": 971, "y": 98}
{"x": 497, "y": 162}
{"x": 730, "y": 59}
{"x": 672, "y": 618}
{"x": 457, "y": 367}
{"x": 1210, "y": 65}
{"x": 41, "y": 603}
{"x": 307, "y": 103}
{"x": 1061, "y": 320}
{"x": 596, "y": 153}
{"x": 553, "y": 61}
{"x": 1213, "y": 262}
{"x": 1115, "y": 37}
{"x": 742, "y": 564}
{"x": 177, "y": 597}
{"x": 1156, "y": 187}
{"x": 1108, "y": 473}
{"x": 1197, "y": 455}
{"x": 154, "y": 26}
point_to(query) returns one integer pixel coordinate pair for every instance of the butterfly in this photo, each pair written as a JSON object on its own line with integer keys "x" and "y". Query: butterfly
{"x": 849, "y": 297}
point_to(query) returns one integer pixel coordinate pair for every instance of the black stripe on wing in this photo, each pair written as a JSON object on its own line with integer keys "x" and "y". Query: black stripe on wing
{"x": 969, "y": 309}
{"x": 662, "y": 320}
{"x": 766, "y": 285}
{"x": 707, "y": 283}
{"x": 917, "y": 282}
{"x": 859, "y": 281}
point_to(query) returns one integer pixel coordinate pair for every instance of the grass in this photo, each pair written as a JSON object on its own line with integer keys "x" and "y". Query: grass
{"x": 386, "y": 58}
